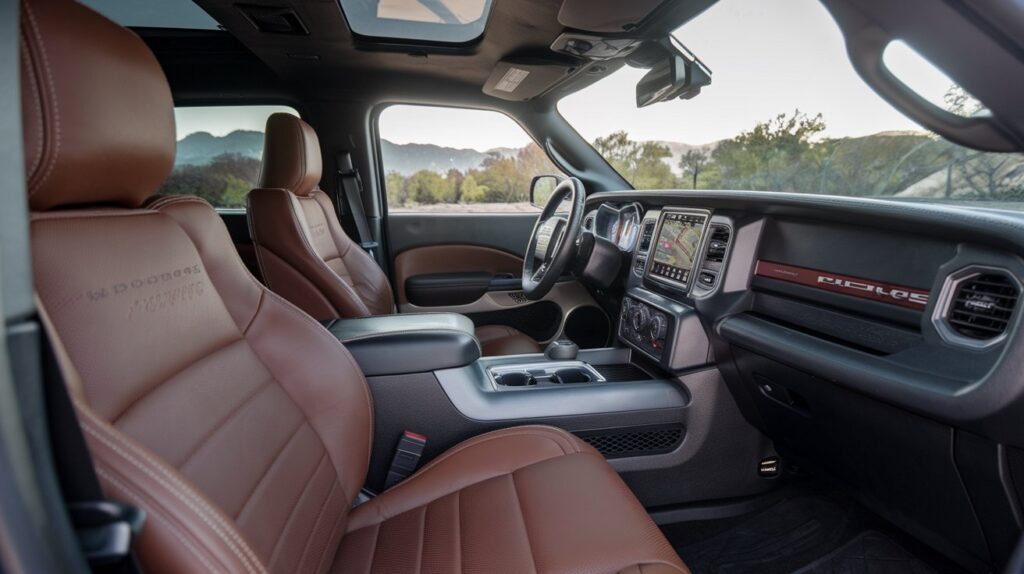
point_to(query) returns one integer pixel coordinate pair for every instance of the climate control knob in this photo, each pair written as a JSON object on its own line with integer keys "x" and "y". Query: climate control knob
{"x": 659, "y": 326}
{"x": 639, "y": 318}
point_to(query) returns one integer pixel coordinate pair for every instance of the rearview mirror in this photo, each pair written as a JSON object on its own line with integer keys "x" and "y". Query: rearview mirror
{"x": 541, "y": 189}
{"x": 679, "y": 75}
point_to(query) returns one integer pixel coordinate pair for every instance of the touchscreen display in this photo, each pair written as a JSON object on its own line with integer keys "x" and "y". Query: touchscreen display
{"x": 676, "y": 249}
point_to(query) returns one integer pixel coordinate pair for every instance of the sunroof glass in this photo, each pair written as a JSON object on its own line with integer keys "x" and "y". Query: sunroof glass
{"x": 446, "y": 21}
{"x": 155, "y": 13}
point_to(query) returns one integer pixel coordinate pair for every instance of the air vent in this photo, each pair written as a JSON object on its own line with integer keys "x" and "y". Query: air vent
{"x": 983, "y": 305}
{"x": 274, "y": 19}
{"x": 718, "y": 244}
{"x": 646, "y": 236}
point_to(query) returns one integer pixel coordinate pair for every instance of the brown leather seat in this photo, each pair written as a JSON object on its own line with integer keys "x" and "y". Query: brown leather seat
{"x": 237, "y": 422}
{"x": 306, "y": 257}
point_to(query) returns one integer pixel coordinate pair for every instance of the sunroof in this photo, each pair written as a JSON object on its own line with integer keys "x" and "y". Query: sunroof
{"x": 445, "y": 21}
{"x": 155, "y": 13}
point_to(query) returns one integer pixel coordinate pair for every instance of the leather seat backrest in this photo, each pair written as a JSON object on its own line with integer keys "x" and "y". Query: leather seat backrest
{"x": 237, "y": 422}
{"x": 304, "y": 254}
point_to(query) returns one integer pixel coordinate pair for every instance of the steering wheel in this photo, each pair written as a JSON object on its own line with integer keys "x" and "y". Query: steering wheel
{"x": 553, "y": 241}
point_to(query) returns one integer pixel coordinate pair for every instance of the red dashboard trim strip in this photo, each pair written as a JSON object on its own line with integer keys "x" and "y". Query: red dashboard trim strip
{"x": 845, "y": 284}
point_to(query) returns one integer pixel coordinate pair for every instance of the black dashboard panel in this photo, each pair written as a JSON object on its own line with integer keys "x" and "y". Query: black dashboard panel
{"x": 842, "y": 350}
{"x": 909, "y": 244}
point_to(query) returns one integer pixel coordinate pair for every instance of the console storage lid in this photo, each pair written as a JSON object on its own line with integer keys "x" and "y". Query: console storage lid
{"x": 408, "y": 343}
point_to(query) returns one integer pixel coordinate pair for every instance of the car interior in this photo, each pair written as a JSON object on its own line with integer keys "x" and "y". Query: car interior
{"x": 270, "y": 308}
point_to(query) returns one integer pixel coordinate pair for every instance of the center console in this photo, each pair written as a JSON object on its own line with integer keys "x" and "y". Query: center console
{"x": 408, "y": 343}
{"x": 657, "y": 317}
{"x": 426, "y": 375}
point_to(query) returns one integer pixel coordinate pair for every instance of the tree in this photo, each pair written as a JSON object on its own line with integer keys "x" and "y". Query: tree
{"x": 619, "y": 151}
{"x": 470, "y": 191}
{"x": 980, "y": 174}
{"x": 776, "y": 155}
{"x": 394, "y": 185}
{"x": 504, "y": 180}
{"x": 224, "y": 182}
{"x": 426, "y": 187}
{"x": 640, "y": 163}
{"x": 454, "y": 181}
{"x": 959, "y": 102}
{"x": 692, "y": 162}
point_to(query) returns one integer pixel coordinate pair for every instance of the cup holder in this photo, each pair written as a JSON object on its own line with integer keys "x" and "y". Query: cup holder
{"x": 549, "y": 374}
{"x": 571, "y": 376}
{"x": 516, "y": 379}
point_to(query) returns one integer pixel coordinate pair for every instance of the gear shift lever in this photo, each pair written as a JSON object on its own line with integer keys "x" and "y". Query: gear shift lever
{"x": 561, "y": 350}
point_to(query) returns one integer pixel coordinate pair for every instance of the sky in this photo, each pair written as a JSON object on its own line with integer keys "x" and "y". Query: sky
{"x": 767, "y": 58}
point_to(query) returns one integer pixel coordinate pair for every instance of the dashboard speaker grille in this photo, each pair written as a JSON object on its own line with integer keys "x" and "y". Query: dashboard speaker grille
{"x": 618, "y": 443}
{"x": 982, "y": 306}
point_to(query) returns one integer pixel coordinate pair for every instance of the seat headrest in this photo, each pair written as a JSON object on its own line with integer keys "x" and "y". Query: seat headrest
{"x": 291, "y": 155}
{"x": 97, "y": 113}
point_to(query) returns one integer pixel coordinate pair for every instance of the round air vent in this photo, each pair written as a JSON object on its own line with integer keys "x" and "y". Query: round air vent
{"x": 977, "y": 306}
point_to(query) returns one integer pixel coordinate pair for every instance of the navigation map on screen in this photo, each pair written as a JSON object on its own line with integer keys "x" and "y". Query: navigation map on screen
{"x": 676, "y": 249}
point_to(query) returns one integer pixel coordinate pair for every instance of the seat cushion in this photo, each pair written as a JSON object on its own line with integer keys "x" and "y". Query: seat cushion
{"x": 502, "y": 340}
{"x": 523, "y": 499}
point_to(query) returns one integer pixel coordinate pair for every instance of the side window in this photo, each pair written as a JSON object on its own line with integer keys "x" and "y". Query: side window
{"x": 457, "y": 160}
{"x": 219, "y": 152}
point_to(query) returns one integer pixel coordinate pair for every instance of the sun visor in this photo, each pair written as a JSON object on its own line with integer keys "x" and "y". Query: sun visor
{"x": 605, "y": 15}
{"x": 519, "y": 81}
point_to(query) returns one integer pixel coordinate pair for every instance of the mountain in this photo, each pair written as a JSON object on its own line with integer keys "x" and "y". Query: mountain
{"x": 200, "y": 148}
{"x": 407, "y": 159}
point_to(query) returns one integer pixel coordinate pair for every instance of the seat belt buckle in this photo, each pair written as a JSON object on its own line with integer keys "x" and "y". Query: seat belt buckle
{"x": 106, "y": 529}
{"x": 370, "y": 247}
{"x": 406, "y": 459}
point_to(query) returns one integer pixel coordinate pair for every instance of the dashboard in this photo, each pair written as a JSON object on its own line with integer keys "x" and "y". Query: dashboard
{"x": 876, "y": 339}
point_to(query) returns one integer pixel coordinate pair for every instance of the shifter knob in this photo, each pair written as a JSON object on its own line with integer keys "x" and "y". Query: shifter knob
{"x": 561, "y": 350}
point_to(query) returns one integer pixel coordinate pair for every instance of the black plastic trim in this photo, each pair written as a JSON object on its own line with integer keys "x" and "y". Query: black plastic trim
{"x": 447, "y": 289}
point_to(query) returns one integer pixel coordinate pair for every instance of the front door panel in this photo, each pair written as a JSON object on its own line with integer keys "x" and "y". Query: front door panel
{"x": 440, "y": 259}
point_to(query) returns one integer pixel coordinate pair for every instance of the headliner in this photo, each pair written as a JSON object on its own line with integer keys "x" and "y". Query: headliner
{"x": 331, "y": 63}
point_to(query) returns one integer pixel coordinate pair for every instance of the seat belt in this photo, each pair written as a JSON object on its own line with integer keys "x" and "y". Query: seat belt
{"x": 350, "y": 192}
{"x": 106, "y": 530}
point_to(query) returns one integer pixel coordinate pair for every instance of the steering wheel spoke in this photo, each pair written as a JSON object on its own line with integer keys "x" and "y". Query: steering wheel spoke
{"x": 553, "y": 241}
{"x": 540, "y": 272}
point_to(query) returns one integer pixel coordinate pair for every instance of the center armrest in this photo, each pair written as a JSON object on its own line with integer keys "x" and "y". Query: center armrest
{"x": 408, "y": 343}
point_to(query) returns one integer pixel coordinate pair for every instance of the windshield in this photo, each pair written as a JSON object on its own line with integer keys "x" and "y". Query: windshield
{"x": 787, "y": 112}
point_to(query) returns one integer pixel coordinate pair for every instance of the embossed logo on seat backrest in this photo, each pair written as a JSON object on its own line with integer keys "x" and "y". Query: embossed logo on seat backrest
{"x": 130, "y": 285}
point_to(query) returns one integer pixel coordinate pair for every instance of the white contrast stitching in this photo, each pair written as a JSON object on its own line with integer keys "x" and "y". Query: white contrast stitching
{"x": 53, "y": 95}
{"x": 128, "y": 492}
{"x": 179, "y": 490}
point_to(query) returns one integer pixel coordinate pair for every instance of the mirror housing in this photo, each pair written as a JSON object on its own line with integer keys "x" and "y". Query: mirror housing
{"x": 541, "y": 188}
{"x": 680, "y": 74}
